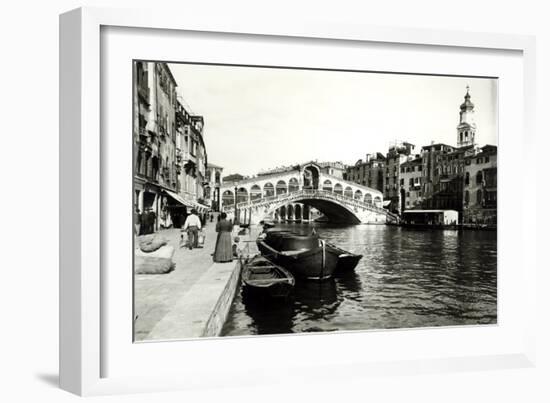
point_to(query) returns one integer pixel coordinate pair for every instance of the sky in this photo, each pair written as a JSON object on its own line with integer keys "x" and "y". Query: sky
{"x": 262, "y": 118}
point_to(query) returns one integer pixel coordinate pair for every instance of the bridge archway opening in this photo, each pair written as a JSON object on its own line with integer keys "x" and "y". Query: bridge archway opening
{"x": 255, "y": 192}
{"x": 281, "y": 188}
{"x": 269, "y": 190}
{"x": 242, "y": 195}
{"x": 228, "y": 199}
{"x": 293, "y": 185}
{"x": 368, "y": 198}
{"x": 348, "y": 192}
{"x": 311, "y": 177}
{"x": 298, "y": 212}
{"x": 358, "y": 195}
{"x": 327, "y": 185}
{"x": 338, "y": 189}
{"x": 305, "y": 212}
{"x": 290, "y": 212}
{"x": 334, "y": 212}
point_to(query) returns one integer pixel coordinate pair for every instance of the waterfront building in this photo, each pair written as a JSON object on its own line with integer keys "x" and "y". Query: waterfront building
{"x": 398, "y": 153}
{"x": 154, "y": 139}
{"x": 410, "y": 183}
{"x": 369, "y": 172}
{"x": 480, "y": 187}
{"x": 444, "y": 165}
{"x": 212, "y": 188}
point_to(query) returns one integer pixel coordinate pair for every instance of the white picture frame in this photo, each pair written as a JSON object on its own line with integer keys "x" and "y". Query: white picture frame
{"x": 83, "y": 307}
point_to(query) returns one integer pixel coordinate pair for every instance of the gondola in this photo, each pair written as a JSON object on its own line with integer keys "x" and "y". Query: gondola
{"x": 262, "y": 277}
{"x": 306, "y": 256}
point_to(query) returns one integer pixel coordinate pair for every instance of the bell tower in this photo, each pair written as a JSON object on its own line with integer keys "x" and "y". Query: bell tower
{"x": 466, "y": 129}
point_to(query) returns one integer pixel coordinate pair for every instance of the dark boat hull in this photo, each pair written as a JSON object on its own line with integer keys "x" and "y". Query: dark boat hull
{"x": 346, "y": 261}
{"x": 262, "y": 277}
{"x": 312, "y": 264}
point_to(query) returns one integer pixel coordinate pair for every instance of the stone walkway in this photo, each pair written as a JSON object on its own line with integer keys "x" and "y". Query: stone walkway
{"x": 156, "y": 295}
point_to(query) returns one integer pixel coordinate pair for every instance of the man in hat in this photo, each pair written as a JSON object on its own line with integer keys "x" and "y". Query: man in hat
{"x": 192, "y": 225}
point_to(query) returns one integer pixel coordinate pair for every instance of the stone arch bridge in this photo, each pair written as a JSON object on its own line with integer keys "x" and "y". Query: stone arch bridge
{"x": 290, "y": 193}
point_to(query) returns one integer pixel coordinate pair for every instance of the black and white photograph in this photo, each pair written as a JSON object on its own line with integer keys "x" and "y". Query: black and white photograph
{"x": 273, "y": 201}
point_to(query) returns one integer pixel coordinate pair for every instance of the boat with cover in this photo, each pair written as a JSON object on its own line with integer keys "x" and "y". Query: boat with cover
{"x": 262, "y": 277}
{"x": 305, "y": 256}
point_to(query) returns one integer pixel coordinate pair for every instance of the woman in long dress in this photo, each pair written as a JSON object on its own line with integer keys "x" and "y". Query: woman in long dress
{"x": 223, "y": 251}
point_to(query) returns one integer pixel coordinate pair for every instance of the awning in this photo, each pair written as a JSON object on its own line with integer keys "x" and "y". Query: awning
{"x": 386, "y": 203}
{"x": 200, "y": 207}
{"x": 179, "y": 199}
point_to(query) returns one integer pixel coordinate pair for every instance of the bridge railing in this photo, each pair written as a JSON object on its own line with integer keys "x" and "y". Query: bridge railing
{"x": 289, "y": 197}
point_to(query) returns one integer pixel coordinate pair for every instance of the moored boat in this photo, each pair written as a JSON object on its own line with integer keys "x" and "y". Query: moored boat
{"x": 306, "y": 256}
{"x": 264, "y": 278}
{"x": 346, "y": 260}
{"x": 315, "y": 263}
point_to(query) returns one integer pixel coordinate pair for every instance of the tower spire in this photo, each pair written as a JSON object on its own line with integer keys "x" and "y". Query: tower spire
{"x": 466, "y": 129}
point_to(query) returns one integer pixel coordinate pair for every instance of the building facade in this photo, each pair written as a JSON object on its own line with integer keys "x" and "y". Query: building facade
{"x": 461, "y": 177}
{"x": 169, "y": 150}
{"x": 398, "y": 154}
{"x": 369, "y": 172}
{"x": 480, "y": 187}
{"x": 154, "y": 140}
{"x": 193, "y": 156}
{"x": 411, "y": 182}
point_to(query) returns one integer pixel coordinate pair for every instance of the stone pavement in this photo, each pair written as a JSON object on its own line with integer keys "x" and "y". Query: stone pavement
{"x": 155, "y": 295}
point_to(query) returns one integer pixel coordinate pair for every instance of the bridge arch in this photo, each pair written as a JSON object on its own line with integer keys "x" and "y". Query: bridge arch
{"x": 255, "y": 192}
{"x": 281, "y": 188}
{"x": 327, "y": 185}
{"x": 368, "y": 198}
{"x": 348, "y": 192}
{"x": 298, "y": 212}
{"x": 284, "y": 213}
{"x": 335, "y": 211}
{"x": 338, "y": 189}
{"x": 311, "y": 174}
{"x": 242, "y": 195}
{"x": 293, "y": 185}
{"x": 358, "y": 195}
{"x": 228, "y": 198}
{"x": 378, "y": 201}
{"x": 290, "y": 212}
{"x": 269, "y": 190}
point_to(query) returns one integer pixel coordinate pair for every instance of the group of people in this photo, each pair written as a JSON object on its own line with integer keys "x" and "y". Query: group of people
{"x": 223, "y": 251}
{"x": 144, "y": 223}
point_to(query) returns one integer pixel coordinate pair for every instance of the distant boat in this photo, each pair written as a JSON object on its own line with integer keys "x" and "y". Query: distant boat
{"x": 261, "y": 277}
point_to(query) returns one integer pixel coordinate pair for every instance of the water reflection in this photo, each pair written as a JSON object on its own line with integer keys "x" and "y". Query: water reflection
{"x": 407, "y": 278}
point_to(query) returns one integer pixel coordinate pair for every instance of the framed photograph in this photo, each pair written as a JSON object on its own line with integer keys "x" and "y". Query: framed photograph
{"x": 258, "y": 193}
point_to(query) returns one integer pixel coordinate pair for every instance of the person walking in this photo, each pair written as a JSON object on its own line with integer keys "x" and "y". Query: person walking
{"x": 137, "y": 222}
{"x": 192, "y": 225}
{"x": 149, "y": 219}
{"x": 223, "y": 252}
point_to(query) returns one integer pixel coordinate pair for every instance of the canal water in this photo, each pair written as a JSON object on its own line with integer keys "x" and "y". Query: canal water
{"x": 406, "y": 278}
